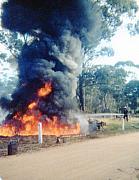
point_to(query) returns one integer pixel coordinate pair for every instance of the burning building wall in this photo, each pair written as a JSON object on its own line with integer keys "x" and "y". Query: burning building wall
{"x": 61, "y": 32}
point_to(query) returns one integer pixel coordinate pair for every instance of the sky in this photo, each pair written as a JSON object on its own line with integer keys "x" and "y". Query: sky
{"x": 125, "y": 46}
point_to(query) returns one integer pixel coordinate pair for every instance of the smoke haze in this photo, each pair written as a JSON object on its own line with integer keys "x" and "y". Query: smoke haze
{"x": 62, "y": 31}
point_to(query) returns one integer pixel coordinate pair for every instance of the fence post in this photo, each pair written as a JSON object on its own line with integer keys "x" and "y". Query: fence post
{"x": 40, "y": 133}
{"x": 123, "y": 124}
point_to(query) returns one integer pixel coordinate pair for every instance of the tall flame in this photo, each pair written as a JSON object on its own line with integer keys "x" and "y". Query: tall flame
{"x": 27, "y": 124}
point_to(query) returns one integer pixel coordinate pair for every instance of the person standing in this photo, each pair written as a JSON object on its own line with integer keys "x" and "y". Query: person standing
{"x": 125, "y": 113}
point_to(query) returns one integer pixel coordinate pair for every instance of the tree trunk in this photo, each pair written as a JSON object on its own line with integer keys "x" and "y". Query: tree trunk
{"x": 81, "y": 93}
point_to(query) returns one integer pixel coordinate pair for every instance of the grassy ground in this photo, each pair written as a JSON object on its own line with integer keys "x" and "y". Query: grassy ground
{"x": 114, "y": 126}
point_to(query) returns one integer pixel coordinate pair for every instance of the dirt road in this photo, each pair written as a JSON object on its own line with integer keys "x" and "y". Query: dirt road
{"x": 110, "y": 158}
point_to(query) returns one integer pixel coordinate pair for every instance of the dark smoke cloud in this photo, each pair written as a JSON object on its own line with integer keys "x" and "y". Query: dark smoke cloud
{"x": 80, "y": 17}
{"x": 64, "y": 28}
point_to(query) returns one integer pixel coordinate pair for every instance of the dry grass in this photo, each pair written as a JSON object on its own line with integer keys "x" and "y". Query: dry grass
{"x": 114, "y": 126}
{"x": 137, "y": 176}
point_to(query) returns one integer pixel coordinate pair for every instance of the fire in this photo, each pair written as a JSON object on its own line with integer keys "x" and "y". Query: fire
{"x": 30, "y": 127}
{"x": 27, "y": 124}
{"x": 55, "y": 127}
{"x": 7, "y": 130}
{"x": 32, "y": 105}
{"x": 46, "y": 90}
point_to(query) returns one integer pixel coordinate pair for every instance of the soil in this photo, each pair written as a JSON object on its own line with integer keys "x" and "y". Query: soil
{"x": 112, "y": 158}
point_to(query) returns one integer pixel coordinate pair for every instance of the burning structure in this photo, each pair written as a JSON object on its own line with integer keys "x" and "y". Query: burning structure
{"x": 61, "y": 31}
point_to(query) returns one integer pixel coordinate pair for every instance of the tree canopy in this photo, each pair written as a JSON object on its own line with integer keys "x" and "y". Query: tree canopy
{"x": 131, "y": 93}
{"x": 103, "y": 88}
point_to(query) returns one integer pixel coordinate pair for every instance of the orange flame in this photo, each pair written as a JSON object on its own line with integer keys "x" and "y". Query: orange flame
{"x": 7, "y": 130}
{"x": 32, "y": 105}
{"x": 27, "y": 124}
{"x": 30, "y": 127}
{"x": 46, "y": 90}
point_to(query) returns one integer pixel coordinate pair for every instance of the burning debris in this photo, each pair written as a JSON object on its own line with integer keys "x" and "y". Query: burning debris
{"x": 49, "y": 65}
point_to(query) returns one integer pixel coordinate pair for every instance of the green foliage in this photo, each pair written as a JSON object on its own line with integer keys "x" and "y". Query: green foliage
{"x": 103, "y": 88}
{"x": 3, "y": 56}
{"x": 126, "y": 63}
{"x": 133, "y": 28}
{"x": 112, "y": 13}
{"x": 123, "y": 6}
{"x": 112, "y": 10}
{"x": 131, "y": 93}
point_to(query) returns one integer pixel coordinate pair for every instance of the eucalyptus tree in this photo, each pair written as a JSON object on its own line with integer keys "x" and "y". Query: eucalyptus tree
{"x": 111, "y": 18}
{"x": 103, "y": 88}
{"x": 131, "y": 92}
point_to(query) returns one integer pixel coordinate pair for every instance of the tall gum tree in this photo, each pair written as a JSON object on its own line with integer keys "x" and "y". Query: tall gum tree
{"x": 112, "y": 17}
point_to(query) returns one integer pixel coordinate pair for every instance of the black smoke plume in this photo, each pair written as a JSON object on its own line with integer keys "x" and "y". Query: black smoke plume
{"x": 62, "y": 30}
